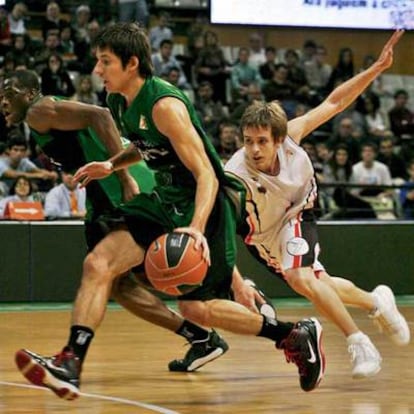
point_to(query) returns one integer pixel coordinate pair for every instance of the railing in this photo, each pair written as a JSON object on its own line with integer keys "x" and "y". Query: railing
{"x": 343, "y": 203}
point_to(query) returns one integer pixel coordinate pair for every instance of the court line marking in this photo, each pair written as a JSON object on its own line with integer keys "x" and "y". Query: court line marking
{"x": 125, "y": 401}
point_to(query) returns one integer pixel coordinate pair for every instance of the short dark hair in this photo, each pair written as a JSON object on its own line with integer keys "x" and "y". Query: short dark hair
{"x": 126, "y": 40}
{"x": 28, "y": 79}
{"x": 17, "y": 140}
{"x": 166, "y": 42}
{"x": 399, "y": 92}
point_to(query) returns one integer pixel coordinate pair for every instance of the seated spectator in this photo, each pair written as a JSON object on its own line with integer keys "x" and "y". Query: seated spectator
{"x": 160, "y": 32}
{"x": 267, "y": 69}
{"x": 308, "y": 52}
{"x": 401, "y": 117}
{"x": 53, "y": 20}
{"x": 377, "y": 121}
{"x": 343, "y": 70}
{"x": 347, "y": 135}
{"x": 21, "y": 190}
{"x": 243, "y": 74}
{"x": 173, "y": 76}
{"x": 323, "y": 152}
{"x": 212, "y": 66}
{"x": 368, "y": 171}
{"x": 16, "y": 164}
{"x": 163, "y": 61}
{"x": 254, "y": 93}
{"x": 17, "y": 19}
{"x": 407, "y": 194}
{"x": 257, "y": 54}
{"x": 50, "y": 46}
{"x": 281, "y": 89}
{"x": 317, "y": 73}
{"x": 338, "y": 170}
{"x": 296, "y": 76}
{"x": 67, "y": 45}
{"x": 55, "y": 79}
{"x": 309, "y": 145}
{"x": 359, "y": 124}
{"x": 85, "y": 91}
{"x": 229, "y": 140}
{"x": 393, "y": 161}
{"x": 66, "y": 200}
{"x": 211, "y": 113}
{"x": 80, "y": 24}
{"x": 20, "y": 50}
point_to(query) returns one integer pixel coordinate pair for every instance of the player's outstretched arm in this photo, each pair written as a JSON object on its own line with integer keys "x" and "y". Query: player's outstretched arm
{"x": 342, "y": 96}
{"x": 97, "y": 170}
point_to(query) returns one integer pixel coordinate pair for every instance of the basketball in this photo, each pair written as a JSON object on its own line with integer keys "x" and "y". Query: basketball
{"x": 173, "y": 266}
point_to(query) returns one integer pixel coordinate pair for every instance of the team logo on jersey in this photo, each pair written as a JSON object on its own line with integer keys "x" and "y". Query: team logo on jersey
{"x": 297, "y": 246}
{"x": 143, "y": 122}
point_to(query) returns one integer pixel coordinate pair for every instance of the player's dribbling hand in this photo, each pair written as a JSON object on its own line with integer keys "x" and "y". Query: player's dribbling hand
{"x": 247, "y": 296}
{"x": 93, "y": 171}
{"x": 200, "y": 241}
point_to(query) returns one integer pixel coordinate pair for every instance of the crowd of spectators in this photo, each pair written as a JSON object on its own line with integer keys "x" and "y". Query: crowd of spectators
{"x": 366, "y": 145}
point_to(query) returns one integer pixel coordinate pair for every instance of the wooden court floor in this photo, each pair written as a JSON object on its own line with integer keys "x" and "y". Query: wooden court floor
{"x": 126, "y": 372}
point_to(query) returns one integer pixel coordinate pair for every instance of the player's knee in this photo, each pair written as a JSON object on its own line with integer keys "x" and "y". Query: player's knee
{"x": 300, "y": 280}
{"x": 194, "y": 311}
{"x": 95, "y": 268}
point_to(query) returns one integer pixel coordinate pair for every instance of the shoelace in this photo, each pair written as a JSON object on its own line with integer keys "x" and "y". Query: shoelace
{"x": 360, "y": 350}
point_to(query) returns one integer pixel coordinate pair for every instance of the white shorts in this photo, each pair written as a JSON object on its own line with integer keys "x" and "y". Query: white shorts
{"x": 299, "y": 244}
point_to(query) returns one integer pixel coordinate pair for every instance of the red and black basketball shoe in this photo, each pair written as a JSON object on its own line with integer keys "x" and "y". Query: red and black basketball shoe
{"x": 60, "y": 373}
{"x": 303, "y": 346}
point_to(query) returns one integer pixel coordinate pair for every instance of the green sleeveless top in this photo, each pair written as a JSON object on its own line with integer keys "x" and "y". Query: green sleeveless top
{"x": 136, "y": 123}
{"x": 73, "y": 149}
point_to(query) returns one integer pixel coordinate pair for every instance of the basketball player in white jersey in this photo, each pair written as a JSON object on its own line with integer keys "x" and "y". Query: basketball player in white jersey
{"x": 280, "y": 227}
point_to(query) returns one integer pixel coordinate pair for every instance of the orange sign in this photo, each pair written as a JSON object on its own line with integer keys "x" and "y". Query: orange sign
{"x": 24, "y": 210}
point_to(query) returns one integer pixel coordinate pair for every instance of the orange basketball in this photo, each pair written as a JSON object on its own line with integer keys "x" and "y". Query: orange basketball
{"x": 173, "y": 266}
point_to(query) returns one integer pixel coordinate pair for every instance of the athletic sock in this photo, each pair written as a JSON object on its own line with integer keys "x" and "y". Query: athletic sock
{"x": 192, "y": 332}
{"x": 276, "y": 330}
{"x": 80, "y": 339}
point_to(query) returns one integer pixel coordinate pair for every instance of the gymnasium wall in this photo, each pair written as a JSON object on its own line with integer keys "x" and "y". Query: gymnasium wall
{"x": 42, "y": 261}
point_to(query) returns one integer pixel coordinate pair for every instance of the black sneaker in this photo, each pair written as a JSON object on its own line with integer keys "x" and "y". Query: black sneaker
{"x": 60, "y": 373}
{"x": 200, "y": 353}
{"x": 266, "y": 309}
{"x": 303, "y": 346}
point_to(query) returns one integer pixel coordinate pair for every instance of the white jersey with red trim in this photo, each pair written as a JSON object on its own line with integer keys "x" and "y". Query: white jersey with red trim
{"x": 273, "y": 200}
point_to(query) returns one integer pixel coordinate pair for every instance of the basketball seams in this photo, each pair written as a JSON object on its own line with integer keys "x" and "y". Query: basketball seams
{"x": 164, "y": 252}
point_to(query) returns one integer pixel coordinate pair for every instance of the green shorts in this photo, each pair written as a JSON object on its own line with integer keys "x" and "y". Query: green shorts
{"x": 148, "y": 216}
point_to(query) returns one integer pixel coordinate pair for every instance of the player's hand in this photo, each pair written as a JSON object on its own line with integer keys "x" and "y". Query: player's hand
{"x": 93, "y": 171}
{"x": 386, "y": 57}
{"x": 200, "y": 241}
{"x": 247, "y": 296}
{"x": 130, "y": 187}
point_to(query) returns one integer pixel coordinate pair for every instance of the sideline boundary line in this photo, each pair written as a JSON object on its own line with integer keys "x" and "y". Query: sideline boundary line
{"x": 125, "y": 401}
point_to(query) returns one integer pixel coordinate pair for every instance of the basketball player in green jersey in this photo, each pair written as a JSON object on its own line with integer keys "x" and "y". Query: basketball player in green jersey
{"x": 67, "y": 132}
{"x": 189, "y": 196}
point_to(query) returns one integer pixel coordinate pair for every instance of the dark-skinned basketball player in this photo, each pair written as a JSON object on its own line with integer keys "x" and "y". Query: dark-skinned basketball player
{"x": 189, "y": 197}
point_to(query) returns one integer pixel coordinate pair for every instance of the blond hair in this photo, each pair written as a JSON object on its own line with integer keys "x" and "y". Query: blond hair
{"x": 266, "y": 115}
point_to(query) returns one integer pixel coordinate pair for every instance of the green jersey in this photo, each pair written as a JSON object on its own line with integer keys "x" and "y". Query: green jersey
{"x": 73, "y": 149}
{"x": 172, "y": 202}
{"x": 136, "y": 123}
